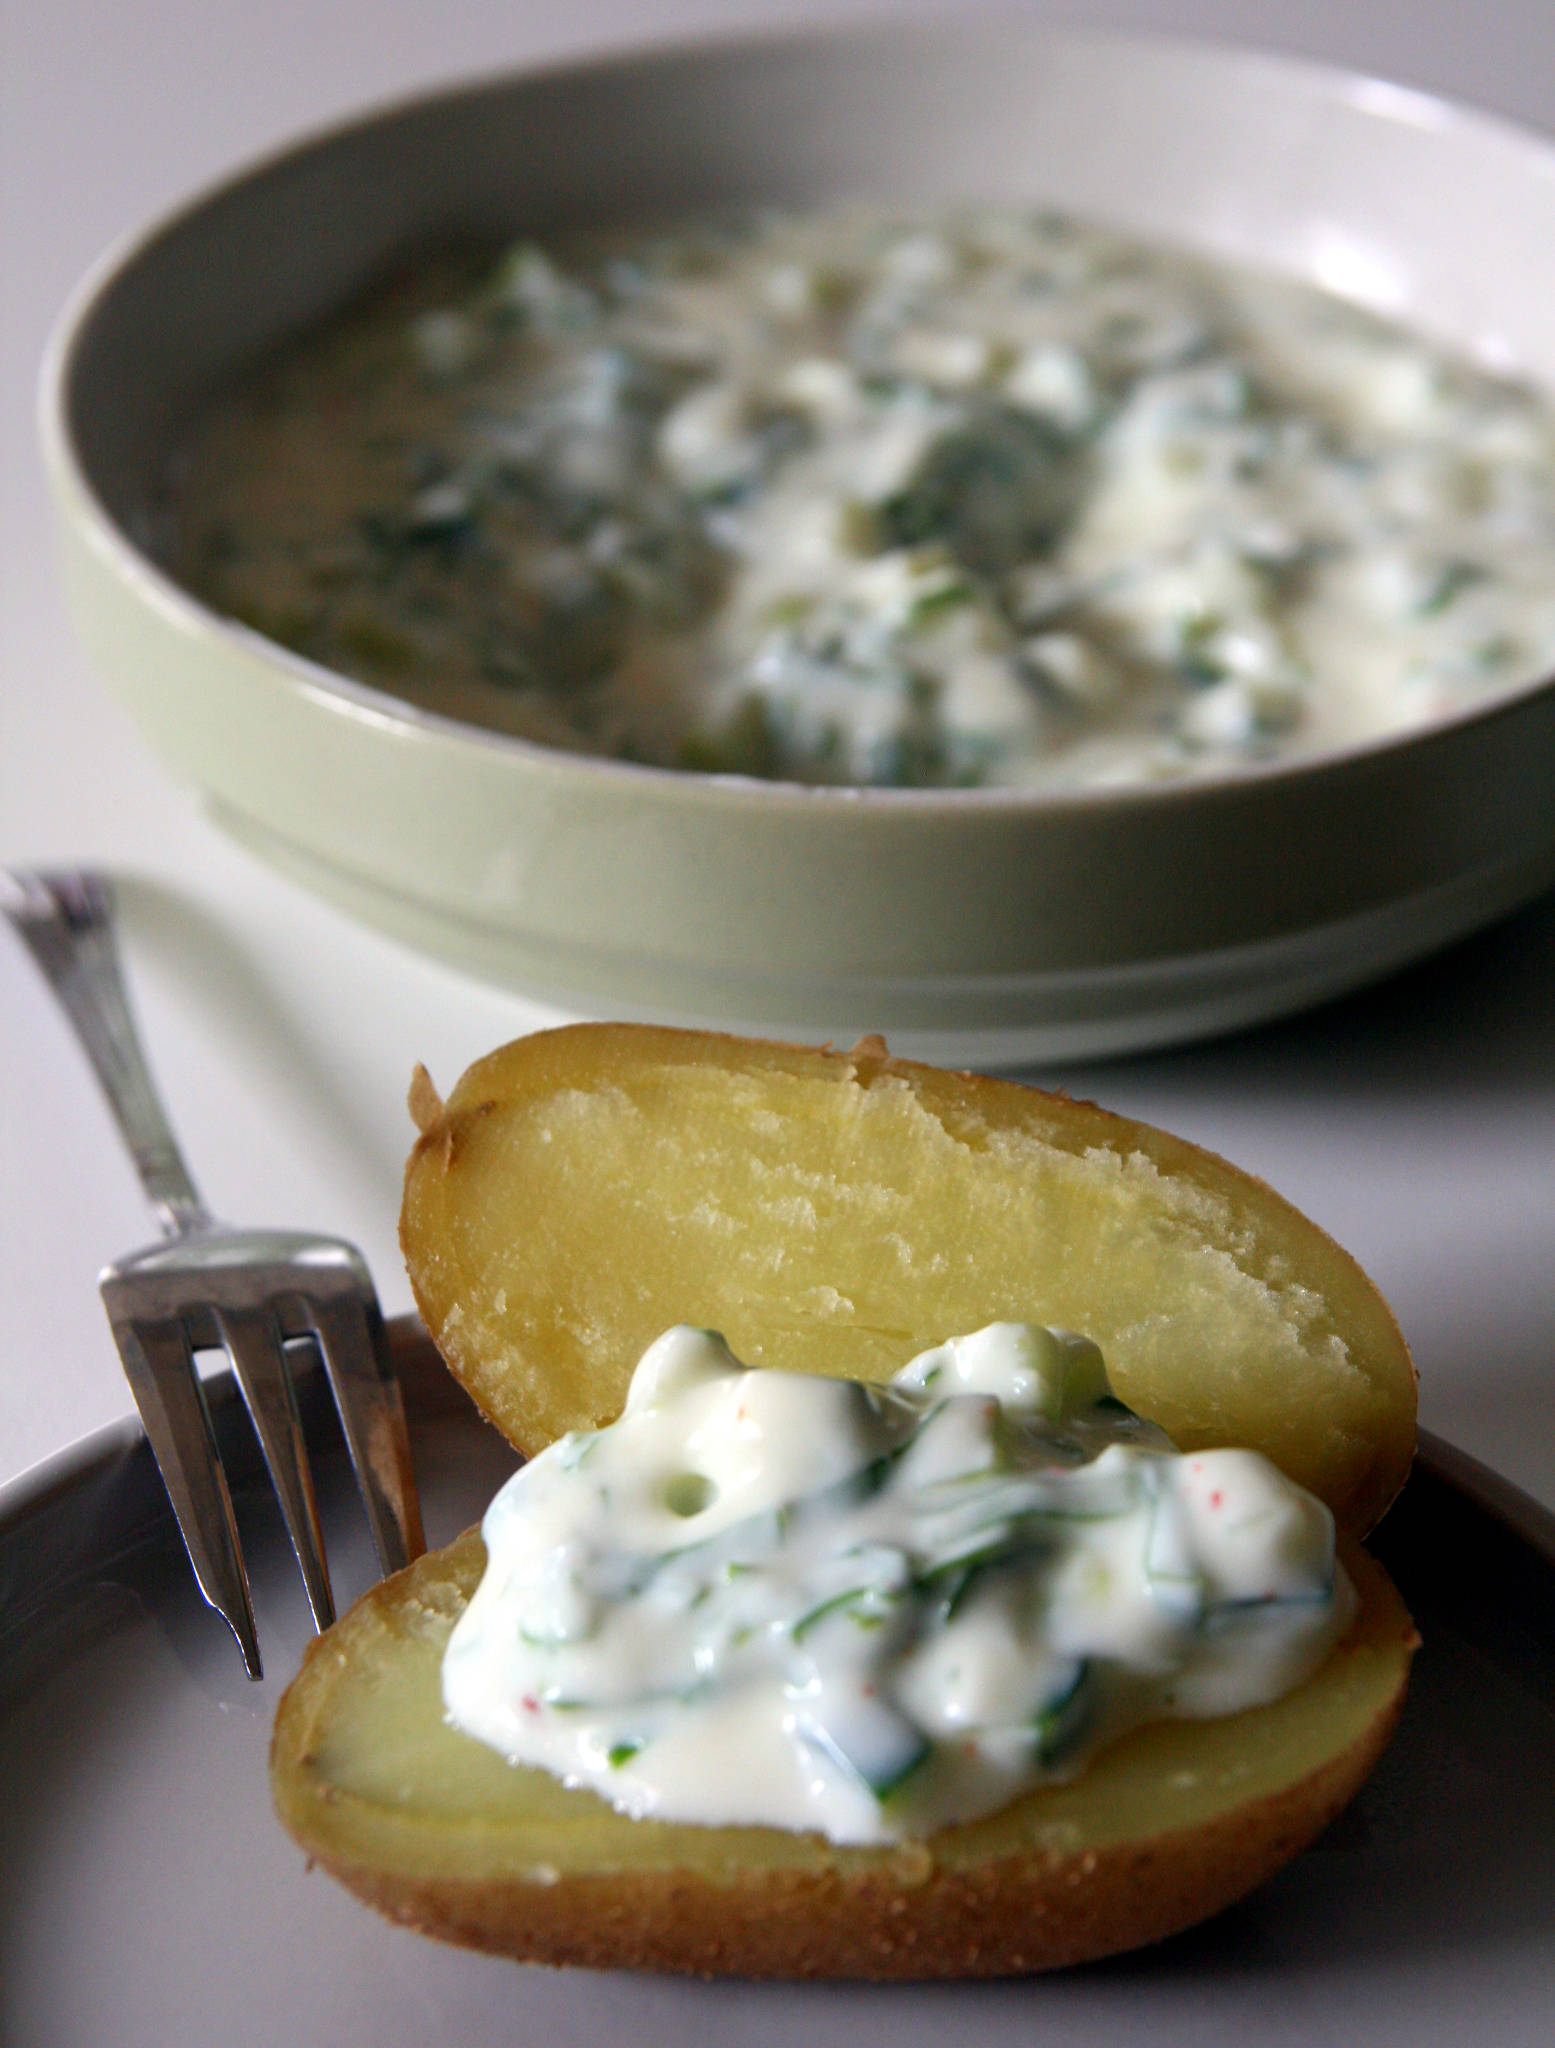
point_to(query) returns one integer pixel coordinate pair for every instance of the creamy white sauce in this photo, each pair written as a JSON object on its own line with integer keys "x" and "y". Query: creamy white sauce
{"x": 988, "y": 498}
{"x": 872, "y": 1611}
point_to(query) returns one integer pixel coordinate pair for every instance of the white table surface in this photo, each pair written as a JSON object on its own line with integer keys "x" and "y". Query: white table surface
{"x": 1417, "y": 1123}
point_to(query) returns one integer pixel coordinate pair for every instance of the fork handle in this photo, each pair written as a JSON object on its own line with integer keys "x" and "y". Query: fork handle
{"x": 67, "y": 920}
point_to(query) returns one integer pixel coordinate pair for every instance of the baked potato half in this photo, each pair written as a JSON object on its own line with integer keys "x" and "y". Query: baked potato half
{"x": 583, "y": 1189}
{"x": 1163, "y": 1829}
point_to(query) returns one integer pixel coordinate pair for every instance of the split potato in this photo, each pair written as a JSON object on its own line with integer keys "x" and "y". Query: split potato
{"x": 583, "y": 1189}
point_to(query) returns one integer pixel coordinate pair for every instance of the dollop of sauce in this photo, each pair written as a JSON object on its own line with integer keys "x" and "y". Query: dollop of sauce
{"x": 982, "y": 498}
{"x": 875, "y": 1610}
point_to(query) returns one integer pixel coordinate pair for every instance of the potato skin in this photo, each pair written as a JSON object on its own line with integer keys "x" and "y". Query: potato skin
{"x": 919, "y": 1912}
{"x": 1012, "y": 1918}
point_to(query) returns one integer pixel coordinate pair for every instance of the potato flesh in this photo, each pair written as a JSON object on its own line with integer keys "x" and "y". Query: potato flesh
{"x": 587, "y": 1188}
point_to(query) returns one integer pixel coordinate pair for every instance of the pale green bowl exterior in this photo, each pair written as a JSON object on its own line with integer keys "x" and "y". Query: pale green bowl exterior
{"x": 982, "y": 927}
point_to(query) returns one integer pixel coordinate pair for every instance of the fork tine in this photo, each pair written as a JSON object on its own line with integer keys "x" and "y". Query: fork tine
{"x": 372, "y": 1414}
{"x": 159, "y": 1365}
{"x": 252, "y": 1340}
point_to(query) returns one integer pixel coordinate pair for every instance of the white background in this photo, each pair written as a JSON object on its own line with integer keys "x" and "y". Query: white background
{"x": 1417, "y": 1123}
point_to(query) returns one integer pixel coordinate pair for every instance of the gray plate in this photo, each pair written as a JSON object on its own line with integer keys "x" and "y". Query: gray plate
{"x": 148, "y": 1899}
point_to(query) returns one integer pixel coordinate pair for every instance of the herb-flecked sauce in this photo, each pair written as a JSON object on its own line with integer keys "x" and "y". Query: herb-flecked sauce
{"x": 986, "y": 497}
{"x": 874, "y": 1611}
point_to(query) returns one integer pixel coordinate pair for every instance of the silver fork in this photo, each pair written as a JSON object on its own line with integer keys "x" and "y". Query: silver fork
{"x": 250, "y": 1293}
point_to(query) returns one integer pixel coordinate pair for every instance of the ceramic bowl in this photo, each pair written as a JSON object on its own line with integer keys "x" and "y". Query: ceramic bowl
{"x": 985, "y": 927}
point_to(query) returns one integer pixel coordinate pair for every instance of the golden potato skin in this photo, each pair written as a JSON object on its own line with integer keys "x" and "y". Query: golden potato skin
{"x": 1050, "y": 1882}
{"x": 582, "y": 1189}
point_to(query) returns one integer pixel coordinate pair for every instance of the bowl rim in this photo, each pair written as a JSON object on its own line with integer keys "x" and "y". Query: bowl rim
{"x": 335, "y": 694}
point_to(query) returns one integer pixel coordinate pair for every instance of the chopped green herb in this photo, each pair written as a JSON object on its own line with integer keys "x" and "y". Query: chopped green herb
{"x": 1450, "y": 580}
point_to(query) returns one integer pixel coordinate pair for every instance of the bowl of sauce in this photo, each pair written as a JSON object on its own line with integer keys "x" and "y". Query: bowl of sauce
{"x": 1040, "y": 542}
